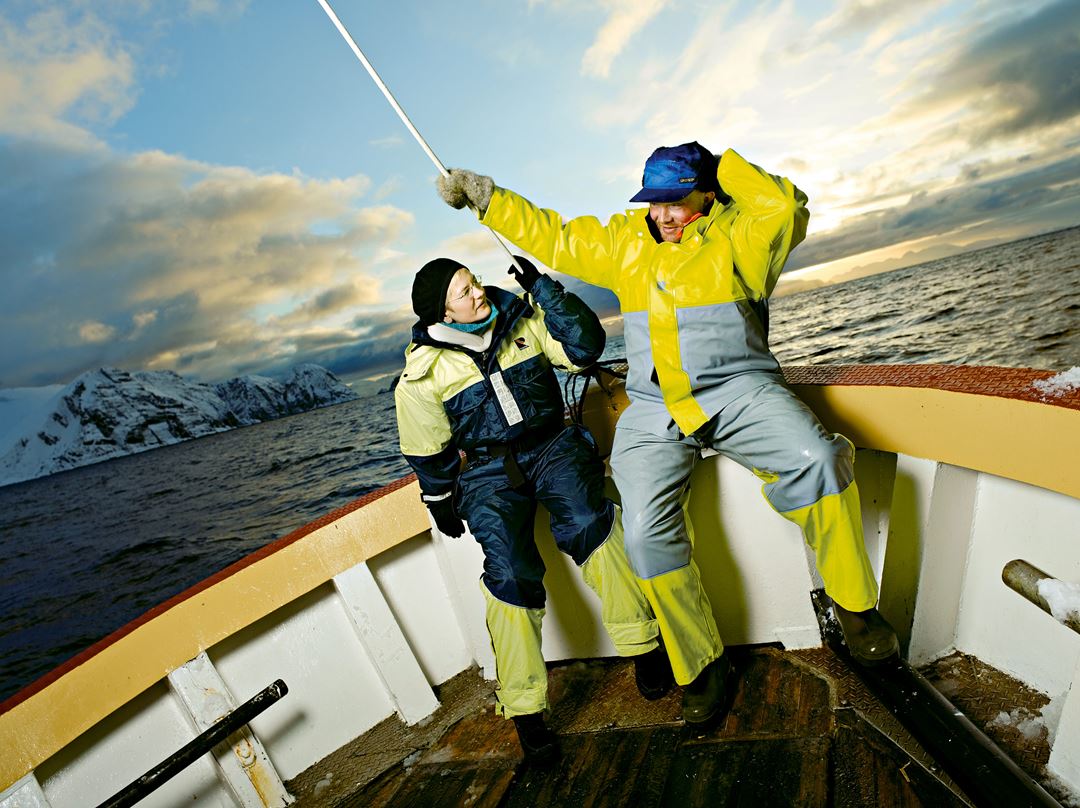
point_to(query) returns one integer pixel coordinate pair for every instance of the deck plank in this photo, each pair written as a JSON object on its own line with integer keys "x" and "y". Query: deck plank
{"x": 800, "y": 732}
{"x": 790, "y": 771}
{"x": 870, "y": 769}
{"x": 776, "y": 698}
{"x": 600, "y": 770}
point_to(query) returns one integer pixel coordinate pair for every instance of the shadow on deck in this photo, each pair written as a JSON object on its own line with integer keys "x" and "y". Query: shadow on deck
{"x": 802, "y": 730}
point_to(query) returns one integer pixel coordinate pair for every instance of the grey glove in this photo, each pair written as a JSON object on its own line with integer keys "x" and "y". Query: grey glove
{"x": 464, "y": 187}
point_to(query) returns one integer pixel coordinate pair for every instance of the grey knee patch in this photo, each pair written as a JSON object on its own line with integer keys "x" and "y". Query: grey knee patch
{"x": 650, "y": 556}
{"x": 828, "y": 468}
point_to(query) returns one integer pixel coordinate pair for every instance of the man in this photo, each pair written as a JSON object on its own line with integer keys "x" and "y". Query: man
{"x": 693, "y": 273}
{"x": 478, "y": 378}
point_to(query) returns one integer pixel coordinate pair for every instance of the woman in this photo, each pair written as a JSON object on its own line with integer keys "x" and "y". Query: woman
{"x": 478, "y": 378}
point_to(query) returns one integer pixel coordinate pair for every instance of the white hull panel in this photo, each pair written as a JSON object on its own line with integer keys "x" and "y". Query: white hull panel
{"x": 363, "y": 613}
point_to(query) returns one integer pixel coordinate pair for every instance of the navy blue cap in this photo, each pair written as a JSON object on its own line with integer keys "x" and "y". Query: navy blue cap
{"x": 672, "y": 172}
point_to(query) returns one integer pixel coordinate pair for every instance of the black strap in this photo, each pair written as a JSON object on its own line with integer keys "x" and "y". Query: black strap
{"x": 575, "y": 402}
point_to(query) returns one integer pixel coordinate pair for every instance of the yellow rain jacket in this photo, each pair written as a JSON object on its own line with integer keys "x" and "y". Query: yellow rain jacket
{"x": 692, "y": 311}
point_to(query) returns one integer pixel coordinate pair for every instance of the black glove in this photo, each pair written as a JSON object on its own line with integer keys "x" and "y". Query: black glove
{"x": 446, "y": 518}
{"x": 527, "y": 276}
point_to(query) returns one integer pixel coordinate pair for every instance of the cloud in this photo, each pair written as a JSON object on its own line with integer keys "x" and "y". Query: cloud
{"x": 475, "y": 242}
{"x": 978, "y": 119}
{"x": 711, "y": 92}
{"x": 151, "y": 260}
{"x": 1020, "y": 76}
{"x": 961, "y": 207}
{"x": 876, "y": 22}
{"x": 166, "y": 13}
{"x": 349, "y": 295}
{"x": 54, "y": 68}
{"x": 625, "y": 19}
{"x": 91, "y": 331}
{"x": 216, "y": 8}
{"x": 901, "y": 121}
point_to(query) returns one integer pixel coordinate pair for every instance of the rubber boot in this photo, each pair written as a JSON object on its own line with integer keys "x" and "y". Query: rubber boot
{"x": 705, "y": 698}
{"x": 539, "y": 743}
{"x": 652, "y": 673}
{"x": 869, "y": 637}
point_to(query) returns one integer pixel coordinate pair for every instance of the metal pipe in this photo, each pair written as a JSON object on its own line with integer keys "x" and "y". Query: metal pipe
{"x": 197, "y": 747}
{"x": 1024, "y": 579}
{"x": 397, "y": 107}
{"x": 987, "y": 775}
{"x": 381, "y": 85}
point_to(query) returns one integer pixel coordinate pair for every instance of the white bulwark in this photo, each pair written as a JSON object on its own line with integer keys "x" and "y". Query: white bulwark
{"x": 366, "y": 612}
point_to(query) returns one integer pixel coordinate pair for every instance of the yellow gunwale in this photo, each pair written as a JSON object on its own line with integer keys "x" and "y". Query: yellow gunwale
{"x": 960, "y": 415}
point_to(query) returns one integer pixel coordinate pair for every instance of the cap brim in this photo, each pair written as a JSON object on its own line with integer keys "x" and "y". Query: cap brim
{"x": 662, "y": 194}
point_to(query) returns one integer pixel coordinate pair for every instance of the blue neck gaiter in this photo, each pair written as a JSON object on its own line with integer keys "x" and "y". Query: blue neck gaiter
{"x": 472, "y": 328}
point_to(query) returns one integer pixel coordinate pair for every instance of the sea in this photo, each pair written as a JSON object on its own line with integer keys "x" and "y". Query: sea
{"x": 85, "y": 551}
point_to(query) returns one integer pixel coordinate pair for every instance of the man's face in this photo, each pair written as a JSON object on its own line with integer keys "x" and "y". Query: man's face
{"x": 672, "y": 217}
{"x": 466, "y": 301}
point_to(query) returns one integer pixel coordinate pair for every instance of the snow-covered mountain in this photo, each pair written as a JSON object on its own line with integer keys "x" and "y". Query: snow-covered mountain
{"x": 109, "y": 412}
{"x": 254, "y": 398}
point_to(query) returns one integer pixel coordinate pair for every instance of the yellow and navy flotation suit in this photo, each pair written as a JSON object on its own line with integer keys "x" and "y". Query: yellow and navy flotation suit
{"x": 504, "y": 409}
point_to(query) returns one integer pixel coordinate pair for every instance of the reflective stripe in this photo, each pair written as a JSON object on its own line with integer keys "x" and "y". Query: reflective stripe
{"x": 506, "y": 400}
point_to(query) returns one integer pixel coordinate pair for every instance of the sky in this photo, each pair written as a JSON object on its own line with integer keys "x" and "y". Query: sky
{"x": 216, "y": 187}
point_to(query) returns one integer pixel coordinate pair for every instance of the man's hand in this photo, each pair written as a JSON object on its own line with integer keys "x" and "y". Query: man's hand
{"x": 446, "y": 518}
{"x": 462, "y": 187}
{"x": 527, "y": 276}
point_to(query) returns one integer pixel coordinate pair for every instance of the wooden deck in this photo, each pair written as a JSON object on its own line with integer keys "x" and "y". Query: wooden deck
{"x": 802, "y": 731}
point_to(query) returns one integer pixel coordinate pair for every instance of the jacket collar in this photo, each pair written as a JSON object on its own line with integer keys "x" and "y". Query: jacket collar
{"x": 425, "y": 345}
{"x": 478, "y": 343}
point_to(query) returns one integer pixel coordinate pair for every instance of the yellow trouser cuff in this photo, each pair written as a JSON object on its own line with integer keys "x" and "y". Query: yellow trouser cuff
{"x": 520, "y": 671}
{"x": 832, "y": 527}
{"x": 625, "y": 612}
{"x": 520, "y": 702}
{"x": 686, "y": 620}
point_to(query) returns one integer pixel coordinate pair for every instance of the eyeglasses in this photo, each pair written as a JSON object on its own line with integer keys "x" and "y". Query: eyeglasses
{"x": 475, "y": 283}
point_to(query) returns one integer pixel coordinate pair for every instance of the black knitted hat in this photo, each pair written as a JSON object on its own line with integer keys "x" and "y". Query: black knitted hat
{"x": 429, "y": 289}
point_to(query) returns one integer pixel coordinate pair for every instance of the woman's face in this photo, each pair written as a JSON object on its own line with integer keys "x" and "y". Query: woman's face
{"x": 466, "y": 301}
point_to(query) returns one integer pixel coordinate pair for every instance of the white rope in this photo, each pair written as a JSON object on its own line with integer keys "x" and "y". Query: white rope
{"x": 397, "y": 107}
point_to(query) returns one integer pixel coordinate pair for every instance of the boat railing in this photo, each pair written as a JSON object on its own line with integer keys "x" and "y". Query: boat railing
{"x": 1055, "y": 597}
{"x": 953, "y": 427}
